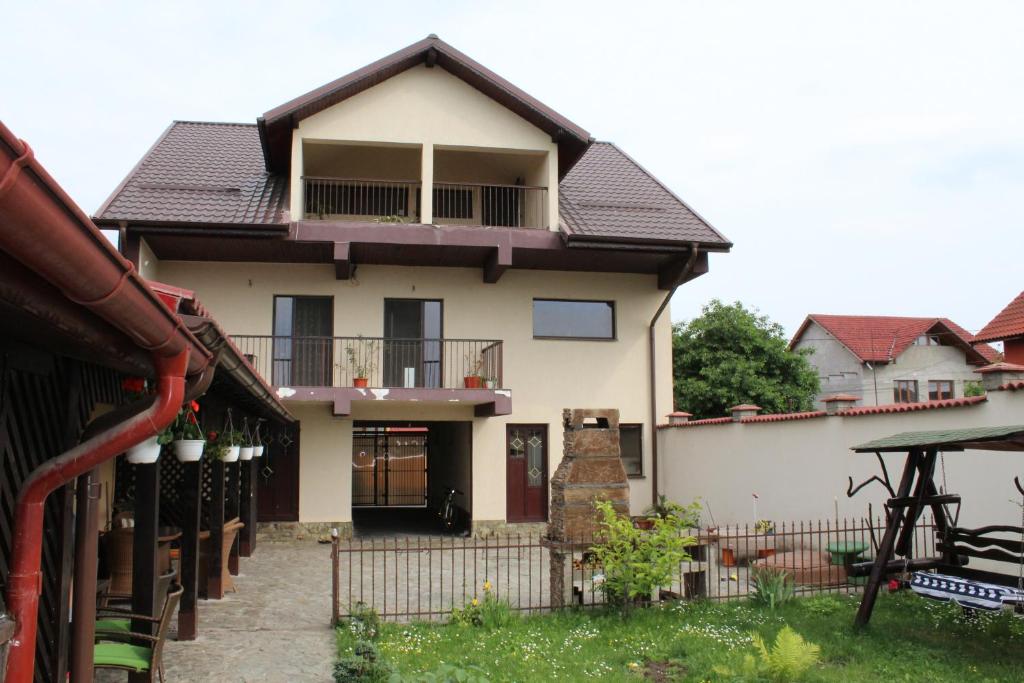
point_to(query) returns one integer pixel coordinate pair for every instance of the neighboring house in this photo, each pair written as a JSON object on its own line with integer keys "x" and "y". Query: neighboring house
{"x": 426, "y": 227}
{"x": 1007, "y": 327}
{"x": 883, "y": 359}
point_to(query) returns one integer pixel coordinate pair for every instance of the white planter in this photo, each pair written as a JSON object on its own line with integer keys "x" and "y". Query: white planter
{"x": 257, "y": 451}
{"x": 145, "y": 453}
{"x": 245, "y": 453}
{"x": 490, "y": 384}
{"x": 232, "y": 454}
{"x": 189, "y": 450}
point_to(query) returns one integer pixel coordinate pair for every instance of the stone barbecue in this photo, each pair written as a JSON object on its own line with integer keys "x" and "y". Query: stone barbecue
{"x": 590, "y": 470}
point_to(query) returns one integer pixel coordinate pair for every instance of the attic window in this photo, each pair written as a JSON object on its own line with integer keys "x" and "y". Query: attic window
{"x": 927, "y": 340}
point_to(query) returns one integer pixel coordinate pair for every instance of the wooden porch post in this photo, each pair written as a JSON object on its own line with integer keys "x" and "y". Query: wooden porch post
{"x": 191, "y": 507}
{"x": 885, "y": 548}
{"x": 214, "y": 581}
{"x": 144, "y": 549}
{"x": 86, "y": 560}
{"x": 247, "y": 537}
{"x": 232, "y": 509}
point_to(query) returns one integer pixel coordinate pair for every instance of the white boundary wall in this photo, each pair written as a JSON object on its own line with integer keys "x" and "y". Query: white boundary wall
{"x": 799, "y": 467}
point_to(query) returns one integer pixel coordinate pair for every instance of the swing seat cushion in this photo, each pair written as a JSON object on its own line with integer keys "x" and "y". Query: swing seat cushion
{"x": 964, "y": 592}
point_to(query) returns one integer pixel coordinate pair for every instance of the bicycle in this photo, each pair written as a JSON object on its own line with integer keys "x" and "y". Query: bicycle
{"x": 448, "y": 512}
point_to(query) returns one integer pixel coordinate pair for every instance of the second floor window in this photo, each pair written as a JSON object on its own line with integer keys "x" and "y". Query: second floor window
{"x": 939, "y": 389}
{"x": 567, "y": 319}
{"x": 905, "y": 391}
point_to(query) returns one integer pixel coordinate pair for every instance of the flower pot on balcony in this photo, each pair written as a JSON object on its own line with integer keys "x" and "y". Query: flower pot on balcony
{"x": 490, "y": 384}
{"x": 231, "y": 455}
{"x": 257, "y": 451}
{"x": 360, "y": 382}
{"x": 471, "y": 382}
{"x": 189, "y": 450}
{"x": 245, "y": 453}
{"x": 145, "y": 453}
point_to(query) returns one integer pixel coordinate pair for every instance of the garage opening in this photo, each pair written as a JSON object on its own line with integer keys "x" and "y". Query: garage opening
{"x": 402, "y": 474}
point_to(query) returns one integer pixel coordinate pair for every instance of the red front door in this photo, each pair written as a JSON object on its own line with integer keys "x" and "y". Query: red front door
{"x": 277, "y": 492}
{"x": 526, "y": 477}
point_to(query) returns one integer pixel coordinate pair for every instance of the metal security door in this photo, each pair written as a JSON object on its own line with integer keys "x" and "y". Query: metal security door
{"x": 389, "y": 469}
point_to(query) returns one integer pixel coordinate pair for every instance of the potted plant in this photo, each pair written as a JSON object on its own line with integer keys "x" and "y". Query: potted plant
{"x": 361, "y": 362}
{"x": 232, "y": 445}
{"x": 491, "y": 383}
{"x": 257, "y": 448}
{"x": 472, "y": 378}
{"x": 188, "y": 440}
{"x": 148, "y": 451}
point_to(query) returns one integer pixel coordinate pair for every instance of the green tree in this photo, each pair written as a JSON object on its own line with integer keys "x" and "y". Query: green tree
{"x": 731, "y": 355}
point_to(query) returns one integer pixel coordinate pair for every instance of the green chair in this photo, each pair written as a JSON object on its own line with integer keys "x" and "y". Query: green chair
{"x": 118, "y": 619}
{"x": 126, "y": 656}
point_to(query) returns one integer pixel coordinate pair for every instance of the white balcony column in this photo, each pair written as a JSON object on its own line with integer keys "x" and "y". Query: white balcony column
{"x": 297, "y": 203}
{"x": 427, "y": 179}
{"x": 552, "y": 193}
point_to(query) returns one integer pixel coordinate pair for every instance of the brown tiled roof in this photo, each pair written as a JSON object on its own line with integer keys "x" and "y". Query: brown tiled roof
{"x": 880, "y": 338}
{"x": 1007, "y": 324}
{"x": 207, "y": 173}
{"x": 212, "y": 173}
{"x": 608, "y": 196}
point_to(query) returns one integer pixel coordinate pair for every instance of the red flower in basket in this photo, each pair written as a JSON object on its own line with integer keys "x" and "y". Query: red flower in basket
{"x": 195, "y": 406}
{"x": 133, "y": 384}
{"x": 192, "y": 418}
{"x": 211, "y": 436}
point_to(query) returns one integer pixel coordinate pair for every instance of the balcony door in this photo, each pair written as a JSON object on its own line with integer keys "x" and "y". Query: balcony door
{"x": 412, "y": 344}
{"x": 303, "y": 340}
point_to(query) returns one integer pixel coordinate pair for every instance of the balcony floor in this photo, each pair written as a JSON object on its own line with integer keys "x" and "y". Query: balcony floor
{"x": 485, "y": 402}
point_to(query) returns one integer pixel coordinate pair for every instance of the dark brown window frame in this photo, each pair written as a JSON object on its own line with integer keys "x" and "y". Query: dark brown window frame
{"x": 898, "y": 390}
{"x": 639, "y": 427}
{"x": 949, "y": 382}
{"x": 615, "y": 323}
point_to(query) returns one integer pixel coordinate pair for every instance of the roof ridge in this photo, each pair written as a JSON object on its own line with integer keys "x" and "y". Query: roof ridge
{"x": 175, "y": 122}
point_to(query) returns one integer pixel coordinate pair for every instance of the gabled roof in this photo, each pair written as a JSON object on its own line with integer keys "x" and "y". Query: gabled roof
{"x": 881, "y": 339}
{"x": 206, "y": 175}
{"x": 276, "y": 125}
{"x": 607, "y": 196}
{"x": 1007, "y": 324}
{"x": 199, "y": 172}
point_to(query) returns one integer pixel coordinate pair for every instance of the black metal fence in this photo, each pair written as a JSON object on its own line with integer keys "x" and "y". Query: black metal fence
{"x": 424, "y": 578}
{"x": 381, "y": 362}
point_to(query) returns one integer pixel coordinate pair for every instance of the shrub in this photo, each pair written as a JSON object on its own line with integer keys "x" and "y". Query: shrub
{"x": 787, "y": 660}
{"x": 488, "y": 613}
{"x": 636, "y": 561}
{"x": 363, "y": 666}
{"x": 363, "y": 622}
{"x": 772, "y": 587}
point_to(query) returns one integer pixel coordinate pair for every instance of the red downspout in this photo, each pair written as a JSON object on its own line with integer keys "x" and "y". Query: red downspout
{"x": 25, "y": 579}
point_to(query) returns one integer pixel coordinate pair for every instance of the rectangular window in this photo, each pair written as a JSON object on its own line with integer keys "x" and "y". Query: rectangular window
{"x": 564, "y": 319}
{"x": 631, "y": 443}
{"x": 939, "y": 389}
{"x": 905, "y": 391}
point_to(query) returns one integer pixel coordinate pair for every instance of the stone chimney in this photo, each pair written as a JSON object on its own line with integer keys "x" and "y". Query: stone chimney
{"x": 591, "y": 469}
{"x": 836, "y": 403}
{"x": 995, "y": 375}
{"x": 678, "y": 417}
{"x": 744, "y": 410}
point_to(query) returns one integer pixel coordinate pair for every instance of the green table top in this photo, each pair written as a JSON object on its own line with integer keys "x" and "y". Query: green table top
{"x": 847, "y": 547}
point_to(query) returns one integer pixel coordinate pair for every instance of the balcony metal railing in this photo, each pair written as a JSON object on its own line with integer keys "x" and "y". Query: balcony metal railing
{"x": 511, "y": 206}
{"x": 360, "y": 199}
{"x": 399, "y": 201}
{"x": 384, "y": 362}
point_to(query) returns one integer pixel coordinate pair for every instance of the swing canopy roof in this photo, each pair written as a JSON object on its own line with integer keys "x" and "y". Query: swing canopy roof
{"x": 1009, "y": 438}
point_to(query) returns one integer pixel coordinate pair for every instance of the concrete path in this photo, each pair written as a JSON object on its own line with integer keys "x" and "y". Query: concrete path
{"x": 276, "y": 628}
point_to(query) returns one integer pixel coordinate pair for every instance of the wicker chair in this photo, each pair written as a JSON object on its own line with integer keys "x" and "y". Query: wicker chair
{"x": 119, "y": 543}
{"x": 118, "y": 619}
{"x": 121, "y": 654}
{"x": 231, "y": 529}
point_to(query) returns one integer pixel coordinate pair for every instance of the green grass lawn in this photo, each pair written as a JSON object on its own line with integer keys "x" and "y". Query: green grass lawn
{"x": 909, "y": 639}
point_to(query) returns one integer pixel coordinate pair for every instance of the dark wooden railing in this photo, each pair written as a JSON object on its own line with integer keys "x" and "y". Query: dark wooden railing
{"x": 384, "y": 362}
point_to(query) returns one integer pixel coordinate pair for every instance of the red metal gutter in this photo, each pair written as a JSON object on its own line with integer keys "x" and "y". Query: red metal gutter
{"x": 41, "y": 227}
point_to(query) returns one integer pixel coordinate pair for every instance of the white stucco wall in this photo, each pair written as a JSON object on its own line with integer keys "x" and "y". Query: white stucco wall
{"x": 544, "y": 376}
{"x": 799, "y": 468}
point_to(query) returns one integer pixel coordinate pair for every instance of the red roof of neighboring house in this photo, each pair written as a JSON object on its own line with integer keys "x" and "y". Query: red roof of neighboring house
{"x": 880, "y": 338}
{"x": 913, "y": 407}
{"x": 1007, "y": 324}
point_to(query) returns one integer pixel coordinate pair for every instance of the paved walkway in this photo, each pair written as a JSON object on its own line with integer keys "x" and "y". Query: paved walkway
{"x": 276, "y": 628}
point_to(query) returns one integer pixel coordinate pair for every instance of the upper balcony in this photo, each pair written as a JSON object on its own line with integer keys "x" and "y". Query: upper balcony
{"x": 385, "y": 184}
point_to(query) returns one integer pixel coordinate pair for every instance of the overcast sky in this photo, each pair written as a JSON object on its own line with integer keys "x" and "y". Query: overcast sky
{"x": 865, "y": 158}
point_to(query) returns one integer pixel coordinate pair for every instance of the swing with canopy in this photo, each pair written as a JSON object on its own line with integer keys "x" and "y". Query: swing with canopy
{"x": 947, "y": 576}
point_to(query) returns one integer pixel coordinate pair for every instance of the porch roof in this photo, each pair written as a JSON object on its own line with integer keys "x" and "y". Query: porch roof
{"x": 1009, "y": 438}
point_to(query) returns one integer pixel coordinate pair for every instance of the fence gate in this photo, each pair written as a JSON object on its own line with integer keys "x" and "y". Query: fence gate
{"x": 389, "y": 467}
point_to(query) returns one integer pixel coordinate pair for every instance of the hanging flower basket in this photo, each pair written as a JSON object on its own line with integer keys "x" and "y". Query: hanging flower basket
{"x": 257, "y": 451}
{"x": 189, "y": 450}
{"x": 232, "y": 453}
{"x": 245, "y": 453}
{"x": 145, "y": 453}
